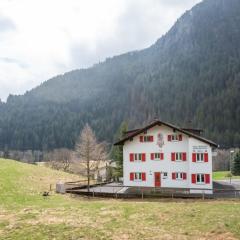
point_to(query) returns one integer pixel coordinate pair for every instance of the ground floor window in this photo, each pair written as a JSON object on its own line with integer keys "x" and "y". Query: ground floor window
{"x": 200, "y": 178}
{"x": 165, "y": 175}
{"x": 179, "y": 176}
{"x": 138, "y": 176}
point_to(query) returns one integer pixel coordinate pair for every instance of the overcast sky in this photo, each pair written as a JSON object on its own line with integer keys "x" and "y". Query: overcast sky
{"x": 42, "y": 38}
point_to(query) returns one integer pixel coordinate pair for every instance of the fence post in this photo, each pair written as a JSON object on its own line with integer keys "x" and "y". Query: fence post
{"x": 142, "y": 194}
{"x": 203, "y": 196}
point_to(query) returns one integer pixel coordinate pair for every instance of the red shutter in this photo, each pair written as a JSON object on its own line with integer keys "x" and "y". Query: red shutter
{"x": 131, "y": 176}
{"x": 141, "y": 138}
{"x": 193, "y": 178}
{"x": 152, "y": 156}
{"x": 169, "y": 138}
{"x": 143, "y": 157}
{"x": 173, "y": 156}
{"x": 184, "y": 156}
{"x": 143, "y": 176}
{"x": 207, "y": 178}
{"x": 205, "y": 157}
{"x": 184, "y": 176}
{"x": 151, "y": 138}
{"x": 180, "y": 137}
{"x": 194, "y": 157}
{"x": 173, "y": 175}
{"x": 131, "y": 157}
{"x": 161, "y": 156}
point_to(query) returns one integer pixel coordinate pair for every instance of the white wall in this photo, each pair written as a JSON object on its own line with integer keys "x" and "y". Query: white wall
{"x": 150, "y": 166}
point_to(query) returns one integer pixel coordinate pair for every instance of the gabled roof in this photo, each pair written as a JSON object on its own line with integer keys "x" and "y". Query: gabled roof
{"x": 159, "y": 123}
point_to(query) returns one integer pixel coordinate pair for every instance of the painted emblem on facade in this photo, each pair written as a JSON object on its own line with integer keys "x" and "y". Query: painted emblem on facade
{"x": 160, "y": 141}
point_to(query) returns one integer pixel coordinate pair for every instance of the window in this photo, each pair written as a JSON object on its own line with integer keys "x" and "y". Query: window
{"x": 146, "y": 138}
{"x": 157, "y": 156}
{"x": 200, "y": 157}
{"x": 137, "y": 157}
{"x": 165, "y": 175}
{"x": 179, "y": 176}
{"x": 175, "y": 137}
{"x": 200, "y": 178}
{"x": 138, "y": 176}
{"x": 179, "y": 156}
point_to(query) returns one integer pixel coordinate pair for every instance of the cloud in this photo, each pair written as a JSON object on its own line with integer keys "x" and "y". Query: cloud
{"x": 44, "y": 38}
{"x": 6, "y": 24}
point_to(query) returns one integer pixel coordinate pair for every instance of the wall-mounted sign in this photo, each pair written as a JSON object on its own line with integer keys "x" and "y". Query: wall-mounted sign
{"x": 199, "y": 148}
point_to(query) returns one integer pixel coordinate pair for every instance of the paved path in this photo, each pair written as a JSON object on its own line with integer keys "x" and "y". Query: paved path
{"x": 222, "y": 189}
{"x": 225, "y": 189}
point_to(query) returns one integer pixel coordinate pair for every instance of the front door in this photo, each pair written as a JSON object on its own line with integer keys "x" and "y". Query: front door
{"x": 157, "y": 179}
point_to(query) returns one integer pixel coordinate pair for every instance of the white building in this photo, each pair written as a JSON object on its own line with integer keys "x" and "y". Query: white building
{"x": 166, "y": 156}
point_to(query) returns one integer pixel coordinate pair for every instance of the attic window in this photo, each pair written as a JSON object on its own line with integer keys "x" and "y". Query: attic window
{"x": 146, "y": 138}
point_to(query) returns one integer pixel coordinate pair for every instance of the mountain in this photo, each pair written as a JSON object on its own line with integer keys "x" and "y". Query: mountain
{"x": 189, "y": 77}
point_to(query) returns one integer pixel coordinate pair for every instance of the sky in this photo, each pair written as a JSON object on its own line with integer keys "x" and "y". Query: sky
{"x": 40, "y": 39}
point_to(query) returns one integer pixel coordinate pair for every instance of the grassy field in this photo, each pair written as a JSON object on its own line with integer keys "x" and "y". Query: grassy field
{"x": 223, "y": 175}
{"x": 25, "y": 214}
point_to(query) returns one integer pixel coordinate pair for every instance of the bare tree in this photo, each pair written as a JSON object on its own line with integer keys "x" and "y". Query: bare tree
{"x": 89, "y": 152}
{"x": 59, "y": 159}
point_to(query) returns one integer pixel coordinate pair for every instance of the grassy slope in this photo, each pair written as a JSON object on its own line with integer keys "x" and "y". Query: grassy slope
{"x": 24, "y": 214}
{"x": 221, "y": 175}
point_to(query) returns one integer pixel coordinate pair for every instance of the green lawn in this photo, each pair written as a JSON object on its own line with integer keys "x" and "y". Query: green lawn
{"x": 221, "y": 175}
{"x": 25, "y": 214}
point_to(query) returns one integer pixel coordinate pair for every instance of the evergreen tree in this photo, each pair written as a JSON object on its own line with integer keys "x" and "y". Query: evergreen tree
{"x": 236, "y": 164}
{"x": 117, "y": 151}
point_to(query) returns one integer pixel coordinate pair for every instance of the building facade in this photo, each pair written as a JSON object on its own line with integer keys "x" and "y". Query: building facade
{"x": 163, "y": 155}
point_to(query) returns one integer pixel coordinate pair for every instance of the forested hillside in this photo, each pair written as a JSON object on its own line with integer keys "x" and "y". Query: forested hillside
{"x": 192, "y": 74}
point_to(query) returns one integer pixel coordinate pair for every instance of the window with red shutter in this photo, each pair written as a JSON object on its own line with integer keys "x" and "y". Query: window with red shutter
{"x": 141, "y": 138}
{"x": 205, "y": 157}
{"x": 173, "y": 176}
{"x": 207, "y": 178}
{"x": 143, "y": 176}
{"x": 161, "y": 156}
{"x": 152, "y": 156}
{"x": 131, "y": 176}
{"x": 143, "y": 157}
{"x": 169, "y": 138}
{"x": 193, "y": 178}
{"x": 173, "y": 156}
{"x": 184, "y": 156}
{"x": 184, "y": 176}
{"x": 180, "y": 137}
{"x": 151, "y": 138}
{"x": 194, "y": 157}
{"x": 131, "y": 157}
